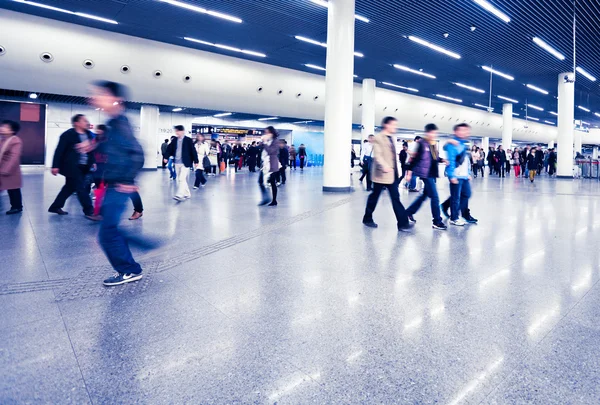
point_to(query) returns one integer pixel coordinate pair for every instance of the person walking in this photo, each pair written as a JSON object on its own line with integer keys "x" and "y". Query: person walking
{"x": 385, "y": 175}
{"x": 508, "y": 157}
{"x": 551, "y": 162}
{"x": 302, "y": 156}
{"x": 284, "y": 159}
{"x": 184, "y": 157}
{"x": 163, "y": 150}
{"x": 524, "y": 157}
{"x": 403, "y": 156}
{"x": 425, "y": 164}
{"x": 366, "y": 157}
{"x": 170, "y": 165}
{"x": 412, "y": 151}
{"x": 532, "y": 164}
{"x": 481, "y": 162}
{"x": 73, "y": 159}
{"x": 251, "y": 157}
{"x": 202, "y": 150}
{"x": 458, "y": 173}
{"x": 516, "y": 155}
{"x": 213, "y": 157}
{"x": 491, "y": 159}
{"x": 270, "y": 166}
{"x": 11, "y": 147}
{"x": 293, "y": 154}
{"x": 474, "y": 156}
{"x": 500, "y": 161}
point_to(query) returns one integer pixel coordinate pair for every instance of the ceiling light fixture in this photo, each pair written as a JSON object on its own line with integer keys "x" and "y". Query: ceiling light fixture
{"x": 302, "y": 122}
{"x": 512, "y": 100}
{"x": 539, "y": 42}
{"x": 532, "y": 118}
{"x": 482, "y": 106}
{"x": 229, "y": 48}
{"x": 549, "y": 122}
{"x": 515, "y": 114}
{"x": 177, "y": 109}
{"x": 586, "y": 74}
{"x": 535, "y": 107}
{"x": 532, "y": 87}
{"x": 62, "y": 10}
{"x": 202, "y": 10}
{"x": 93, "y": 17}
{"x": 222, "y": 115}
{"x": 310, "y": 65}
{"x": 496, "y": 72}
{"x": 323, "y": 44}
{"x": 434, "y": 47}
{"x": 553, "y": 113}
{"x": 583, "y": 108}
{"x": 464, "y": 86}
{"x": 585, "y": 122}
{"x": 417, "y": 72}
{"x": 33, "y": 96}
{"x": 400, "y": 87}
{"x": 268, "y": 119}
{"x": 449, "y": 98}
{"x": 326, "y": 4}
{"x": 597, "y": 114}
{"x": 473, "y": 28}
{"x": 486, "y": 5}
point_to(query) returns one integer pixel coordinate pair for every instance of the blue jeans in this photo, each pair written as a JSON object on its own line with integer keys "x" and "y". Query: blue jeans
{"x": 171, "y": 167}
{"x": 413, "y": 183}
{"x": 459, "y": 199}
{"x": 430, "y": 191}
{"x": 112, "y": 240}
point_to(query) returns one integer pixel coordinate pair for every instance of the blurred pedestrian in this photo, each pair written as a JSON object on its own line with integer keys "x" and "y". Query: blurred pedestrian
{"x": 11, "y": 147}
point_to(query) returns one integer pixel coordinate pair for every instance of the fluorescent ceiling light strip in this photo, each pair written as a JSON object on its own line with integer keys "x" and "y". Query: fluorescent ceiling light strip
{"x": 597, "y": 114}
{"x": 93, "y": 17}
{"x": 489, "y": 7}
{"x": 496, "y": 72}
{"x": 532, "y": 118}
{"x": 481, "y": 105}
{"x": 539, "y": 42}
{"x": 532, "y": 87}
{"x": 268, "y": 119}
{"x": 583, "y": 108}
{"x": 507, "y": 99}
{"x": 417, "y": 72}
{"x": 177, "y": 109}
{"x": 586, "y": 74}
{"x": 400, "y": 87}
{"x": 549, "y": 122}
{"x": 62, "y": 10}
{"x": 323, "y": 44}
{"x": 449, "y": 98}
{"x": 310, "y": 65}
{"x": 464, "y": 86}
{"x": 434, "y": 47}
{"x": 222, "y": 115}
{"x": 553, "y": 113}
{"x": 302, "y": 122}
{"x": 326, "y": 4}
{"x": 515, "y": 114}
{"x": 535, "y": 107}
{"x": 226, "y": 47}
{"x": 585, "y": 122}
{"x": 202, "y": 10}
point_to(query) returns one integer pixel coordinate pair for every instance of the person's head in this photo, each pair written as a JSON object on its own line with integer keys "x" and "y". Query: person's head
{"x": 166, "y": 141}
{"x": 499, "y": 147}
{"x": 108, "y": 96}
{"x": 431, "y": 131}
{"x": 80, "y": 123}
{"x": 389, "y": 125}
{"x": 270, "y": 133}
{"x": 282, "y": 143}
{"x": 9, "y": 128}
{"x": 101, "y": 132}
{"x": 254, "y": 143}
{"x": 179, "y": 131}
{"x": 405, "y": 145}
{"x": 371, "y": 138}
{"x": 463, "y": 131}
{"x": 417, "y": 138}
{"x": 200, "y": 138}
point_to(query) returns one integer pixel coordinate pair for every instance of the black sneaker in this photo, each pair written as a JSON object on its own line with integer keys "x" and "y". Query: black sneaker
{"x": 120, "y": 278}
{"x": 58, "y": 211}
{"x": 370, "y": 224}
{"x": 413, "y": 190}
{"x": 412, "y": 219}
{"x": 440, "y": 226}
{"x": 406, "y": 228}
{"x": 470, "y": 220}
{"x": 444, "y": 211}
{"x": 14, "y": 211}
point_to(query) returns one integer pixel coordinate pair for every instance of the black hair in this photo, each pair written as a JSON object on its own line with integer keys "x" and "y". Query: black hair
{"x": 463, "y": 125}
{"x": 115, "y": 89}
{"x": 102, "y": 128}
{"x": 405, "y": 144}
{"x": 387, "y": 120}
{"x": 365, "y": 141}
{"x": 272, "y": 131}
{"x": 431, "y": 127}
{"x": 15, "y": 127}
{"x": 166, "y": 140}
{"x": 179, "y": 128}
{"x": 417, "y": 137}
{"x": 76, "y": 118}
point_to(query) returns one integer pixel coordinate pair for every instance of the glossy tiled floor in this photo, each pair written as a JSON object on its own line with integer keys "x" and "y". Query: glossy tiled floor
{"x": 302, "y": 304}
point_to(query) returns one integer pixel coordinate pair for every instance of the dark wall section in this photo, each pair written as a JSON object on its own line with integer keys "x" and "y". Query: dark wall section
{"x": 32, "y": 118}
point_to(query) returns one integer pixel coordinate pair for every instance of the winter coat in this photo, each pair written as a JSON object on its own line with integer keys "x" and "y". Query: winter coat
{"x": 10, "y": 161}
{"x": 384, "y": 169}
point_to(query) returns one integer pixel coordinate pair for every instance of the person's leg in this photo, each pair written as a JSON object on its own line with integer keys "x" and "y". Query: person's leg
{"x": 416, "y": 204}
{"x": 431, "y": 192}
{"x": 83, "y": 195}
{"x": 369, "y": 182}
{"x": 413, "y": 183}
{"x": 15, "y": 198}
{"x": 99, "y": 192}
{"x": 65, "y": 192}
{"x": 399, "y": 211}
{"x": 465, "y": 194}
{"x": 302, "y": 163}
{"x": 455, "y": 200}
{"x": 136, "y": 199}
{"x": 531, "y": 175}
{"x": 112, "y": 241}
{"x": 273, "y": 182}
{"x": 372, "y": 202}
{"x": 183, "y": 188}
{"x": 283, "y": 177}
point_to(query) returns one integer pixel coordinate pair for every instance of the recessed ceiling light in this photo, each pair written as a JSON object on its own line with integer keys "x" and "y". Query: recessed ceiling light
{"x": 553, "y": 113}
{"x": 532, "y": 87}
{"x": 464, "y": 86}
{"x": 549, "y": 122}
{"x": 486, "y": 5}
{"x": 177, "y": 109}
{"x": 532, "y": 118}
{"x": 449, "y": 98}
{"x": 417, "y": 72}
{"x": 202, "y": 10}
{"x": 535, "y": 107}
{"x": 33, "y": 96}
{"x": 268, "y": 118}
{"x": 512, "y": 100}
{"x": 62, "y": 10}
{"x": 222, "y": 114}
{"x": 434, "y": 47}
{"x": 583, "y": 108}
{"x": 323, "y": 44}
{"x": 497, "y": 72}
{"x": 227, "y": 47}
{"x": 326, "y": 4}
{"x": 400, "y": 87}
{"x": 310, "y": 65}
{"x": 539, "y": 42}
{"x": 473, "y": 28}
{"x": 586, "y": 74}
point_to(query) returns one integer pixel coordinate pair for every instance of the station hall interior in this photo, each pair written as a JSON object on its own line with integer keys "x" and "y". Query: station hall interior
{"x": 299, "y": 202}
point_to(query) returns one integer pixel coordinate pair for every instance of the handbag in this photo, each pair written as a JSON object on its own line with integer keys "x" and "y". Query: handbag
{"x": 206, "y": 163}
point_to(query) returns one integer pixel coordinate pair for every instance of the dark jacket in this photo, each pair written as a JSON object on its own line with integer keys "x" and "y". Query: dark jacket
{"x": 124, "y": 154}
{"x": 284, "y": 156}
{"x": 403, "y": 155}
{"x": 272, "y": 151}
{"x": 251, "y": 155}
{"x": 66, "y": 157}
{"x": 539, "y": 156}
{"x": 501, "y": 156}
{"x": 302, "y": 151}
{"x": 238, "y": 151}
{"x": 164, "y": 148}
{"x": 532, "y": 162}
{"x": 425, "y": 162}
{"x": 189, "y": 156}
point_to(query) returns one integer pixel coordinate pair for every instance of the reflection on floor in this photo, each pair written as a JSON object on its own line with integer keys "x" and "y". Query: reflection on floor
{"x": 302, "y": 304}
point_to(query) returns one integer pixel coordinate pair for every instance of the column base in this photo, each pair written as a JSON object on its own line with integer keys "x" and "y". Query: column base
{"x": 564, "y": 177}
{"x": 337, "y": 189}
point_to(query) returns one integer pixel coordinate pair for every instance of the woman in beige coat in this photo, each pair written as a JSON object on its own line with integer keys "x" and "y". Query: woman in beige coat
{"x": 10, "y": 164}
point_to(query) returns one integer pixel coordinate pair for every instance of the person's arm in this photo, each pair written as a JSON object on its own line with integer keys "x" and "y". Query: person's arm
{"x": 452, "y": 153}
{"x": 59, "y": 152}
{"x": 416, "y": 158}
{"x": 194, "y": 152}
{"x": 12, "y": 158}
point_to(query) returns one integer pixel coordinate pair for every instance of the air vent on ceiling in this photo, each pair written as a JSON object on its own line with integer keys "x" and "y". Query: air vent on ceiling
{"x": 46, "y": 57}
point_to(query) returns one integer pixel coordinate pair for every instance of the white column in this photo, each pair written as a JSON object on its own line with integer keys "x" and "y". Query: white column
{"x": 149, "y": 135}
{"x": 339, "y": 85}
{"x": 507, "y": 127}
{"x": 368, "y": 108}
{"x": 595, "y": 153}
{"x": 566, "y": 115}
{"x": 485, "y": 145}
{"x": 577, "y": 142}
{"x": 551, "y": 145}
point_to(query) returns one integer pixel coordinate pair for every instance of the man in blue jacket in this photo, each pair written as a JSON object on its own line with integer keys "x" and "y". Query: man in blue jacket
{"x": 459, "y": 174}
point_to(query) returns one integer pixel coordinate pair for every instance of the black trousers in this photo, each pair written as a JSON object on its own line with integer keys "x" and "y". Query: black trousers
{"x": 136, "y": 199}
{"x": 399, "y": 211}
{"x": 16, "y": 200}
{"x": 302, "y": 161}
{"x": 293, "y": 163}
{"x": 74, "y": 185}
{"x": 272, "y": 182}
{"x": 282, "y": 177}
{"x": 200, "y": 179}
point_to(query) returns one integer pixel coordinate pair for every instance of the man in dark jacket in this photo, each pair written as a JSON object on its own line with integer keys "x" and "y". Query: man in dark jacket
{"x": 251, "y": 157}
{"x": 184, "y": 157}
{"x": 552, "y": 162}
{"x": 163, "y": 150}
{"x": 302, "y": 156}
{"x": 284, "y": 159}
{"x": 403, "y": 155}
{"x": 539, "y": 158}
{"x": 500, "y": 161}
{"x": 524, "y": 156}
{"x": 73, "y": 159}
{"x": 425, "y": 165}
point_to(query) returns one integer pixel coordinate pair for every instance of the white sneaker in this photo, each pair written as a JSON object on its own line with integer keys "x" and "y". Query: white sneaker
{"x": 458, "y": 222}
{"x": 195, "y": 188}
{"x": 177, "y": 198}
